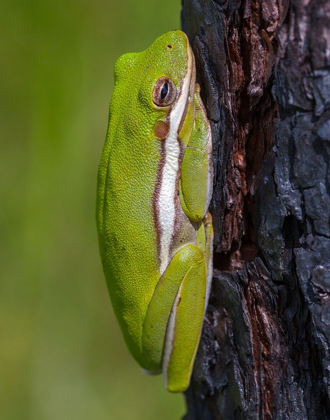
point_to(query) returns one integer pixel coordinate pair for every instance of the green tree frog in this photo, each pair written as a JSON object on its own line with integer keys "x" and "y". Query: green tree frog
{"x": 154, "y": 187}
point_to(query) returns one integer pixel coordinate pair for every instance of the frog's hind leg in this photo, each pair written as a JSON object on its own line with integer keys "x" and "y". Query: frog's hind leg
{"x": 184, "y": 329}
{"x": 175, "y": 316}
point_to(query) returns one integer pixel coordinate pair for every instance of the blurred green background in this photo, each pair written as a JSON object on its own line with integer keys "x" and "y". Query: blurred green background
{"x": 62, "y": 355}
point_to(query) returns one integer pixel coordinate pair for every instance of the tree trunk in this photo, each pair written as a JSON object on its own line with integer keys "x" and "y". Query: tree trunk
{"x": 264, "y": 70}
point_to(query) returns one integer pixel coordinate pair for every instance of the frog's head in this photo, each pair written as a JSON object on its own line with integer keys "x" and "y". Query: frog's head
{"x": 159, "y": 83}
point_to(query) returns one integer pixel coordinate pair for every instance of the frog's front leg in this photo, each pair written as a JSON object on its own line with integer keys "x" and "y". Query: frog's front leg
{"x": 195, "y": 188}
{"x": 174, "y": 319}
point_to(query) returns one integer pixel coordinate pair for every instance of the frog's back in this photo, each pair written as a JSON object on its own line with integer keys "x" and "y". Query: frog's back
{"x": 128, "y": 174}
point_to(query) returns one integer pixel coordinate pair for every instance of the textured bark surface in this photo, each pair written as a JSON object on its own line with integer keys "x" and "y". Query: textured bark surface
{"x": 264, "y": 70}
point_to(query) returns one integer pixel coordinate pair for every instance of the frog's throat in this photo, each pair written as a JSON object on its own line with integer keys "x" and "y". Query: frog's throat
{"x": 167, "y": 206}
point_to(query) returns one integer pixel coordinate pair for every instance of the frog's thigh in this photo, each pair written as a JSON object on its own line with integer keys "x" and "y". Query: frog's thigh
{"x": 196, "y": 178}
{"x": 181, "y": 288}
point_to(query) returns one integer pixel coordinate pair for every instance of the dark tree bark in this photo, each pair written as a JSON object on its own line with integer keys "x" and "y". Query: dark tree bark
{"x": 264, "y": 69}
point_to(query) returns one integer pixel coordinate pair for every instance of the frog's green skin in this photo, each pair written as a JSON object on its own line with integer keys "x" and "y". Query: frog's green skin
{"x": 154, "y": 188}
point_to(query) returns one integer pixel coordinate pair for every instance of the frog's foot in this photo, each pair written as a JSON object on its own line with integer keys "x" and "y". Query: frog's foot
{"x": 208, "y": 252}
{"x": 174, "y": 320}
{"x": 205, "y": 243}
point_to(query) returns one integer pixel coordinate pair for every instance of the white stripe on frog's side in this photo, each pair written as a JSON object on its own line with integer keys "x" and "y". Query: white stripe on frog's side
{"x": 168, "y": 183}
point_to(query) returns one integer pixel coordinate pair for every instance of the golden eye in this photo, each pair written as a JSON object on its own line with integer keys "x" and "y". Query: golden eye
{"x": 164, "y": 92}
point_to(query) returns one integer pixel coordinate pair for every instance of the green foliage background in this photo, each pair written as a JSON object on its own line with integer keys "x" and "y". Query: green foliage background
{"x": 62, "y": 355}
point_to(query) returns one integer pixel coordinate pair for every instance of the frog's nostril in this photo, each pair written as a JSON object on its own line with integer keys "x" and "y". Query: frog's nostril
{"x": 169, "y": 47}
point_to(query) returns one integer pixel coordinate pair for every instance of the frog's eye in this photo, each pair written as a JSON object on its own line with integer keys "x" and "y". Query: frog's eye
{"x": 164, "y": 92}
